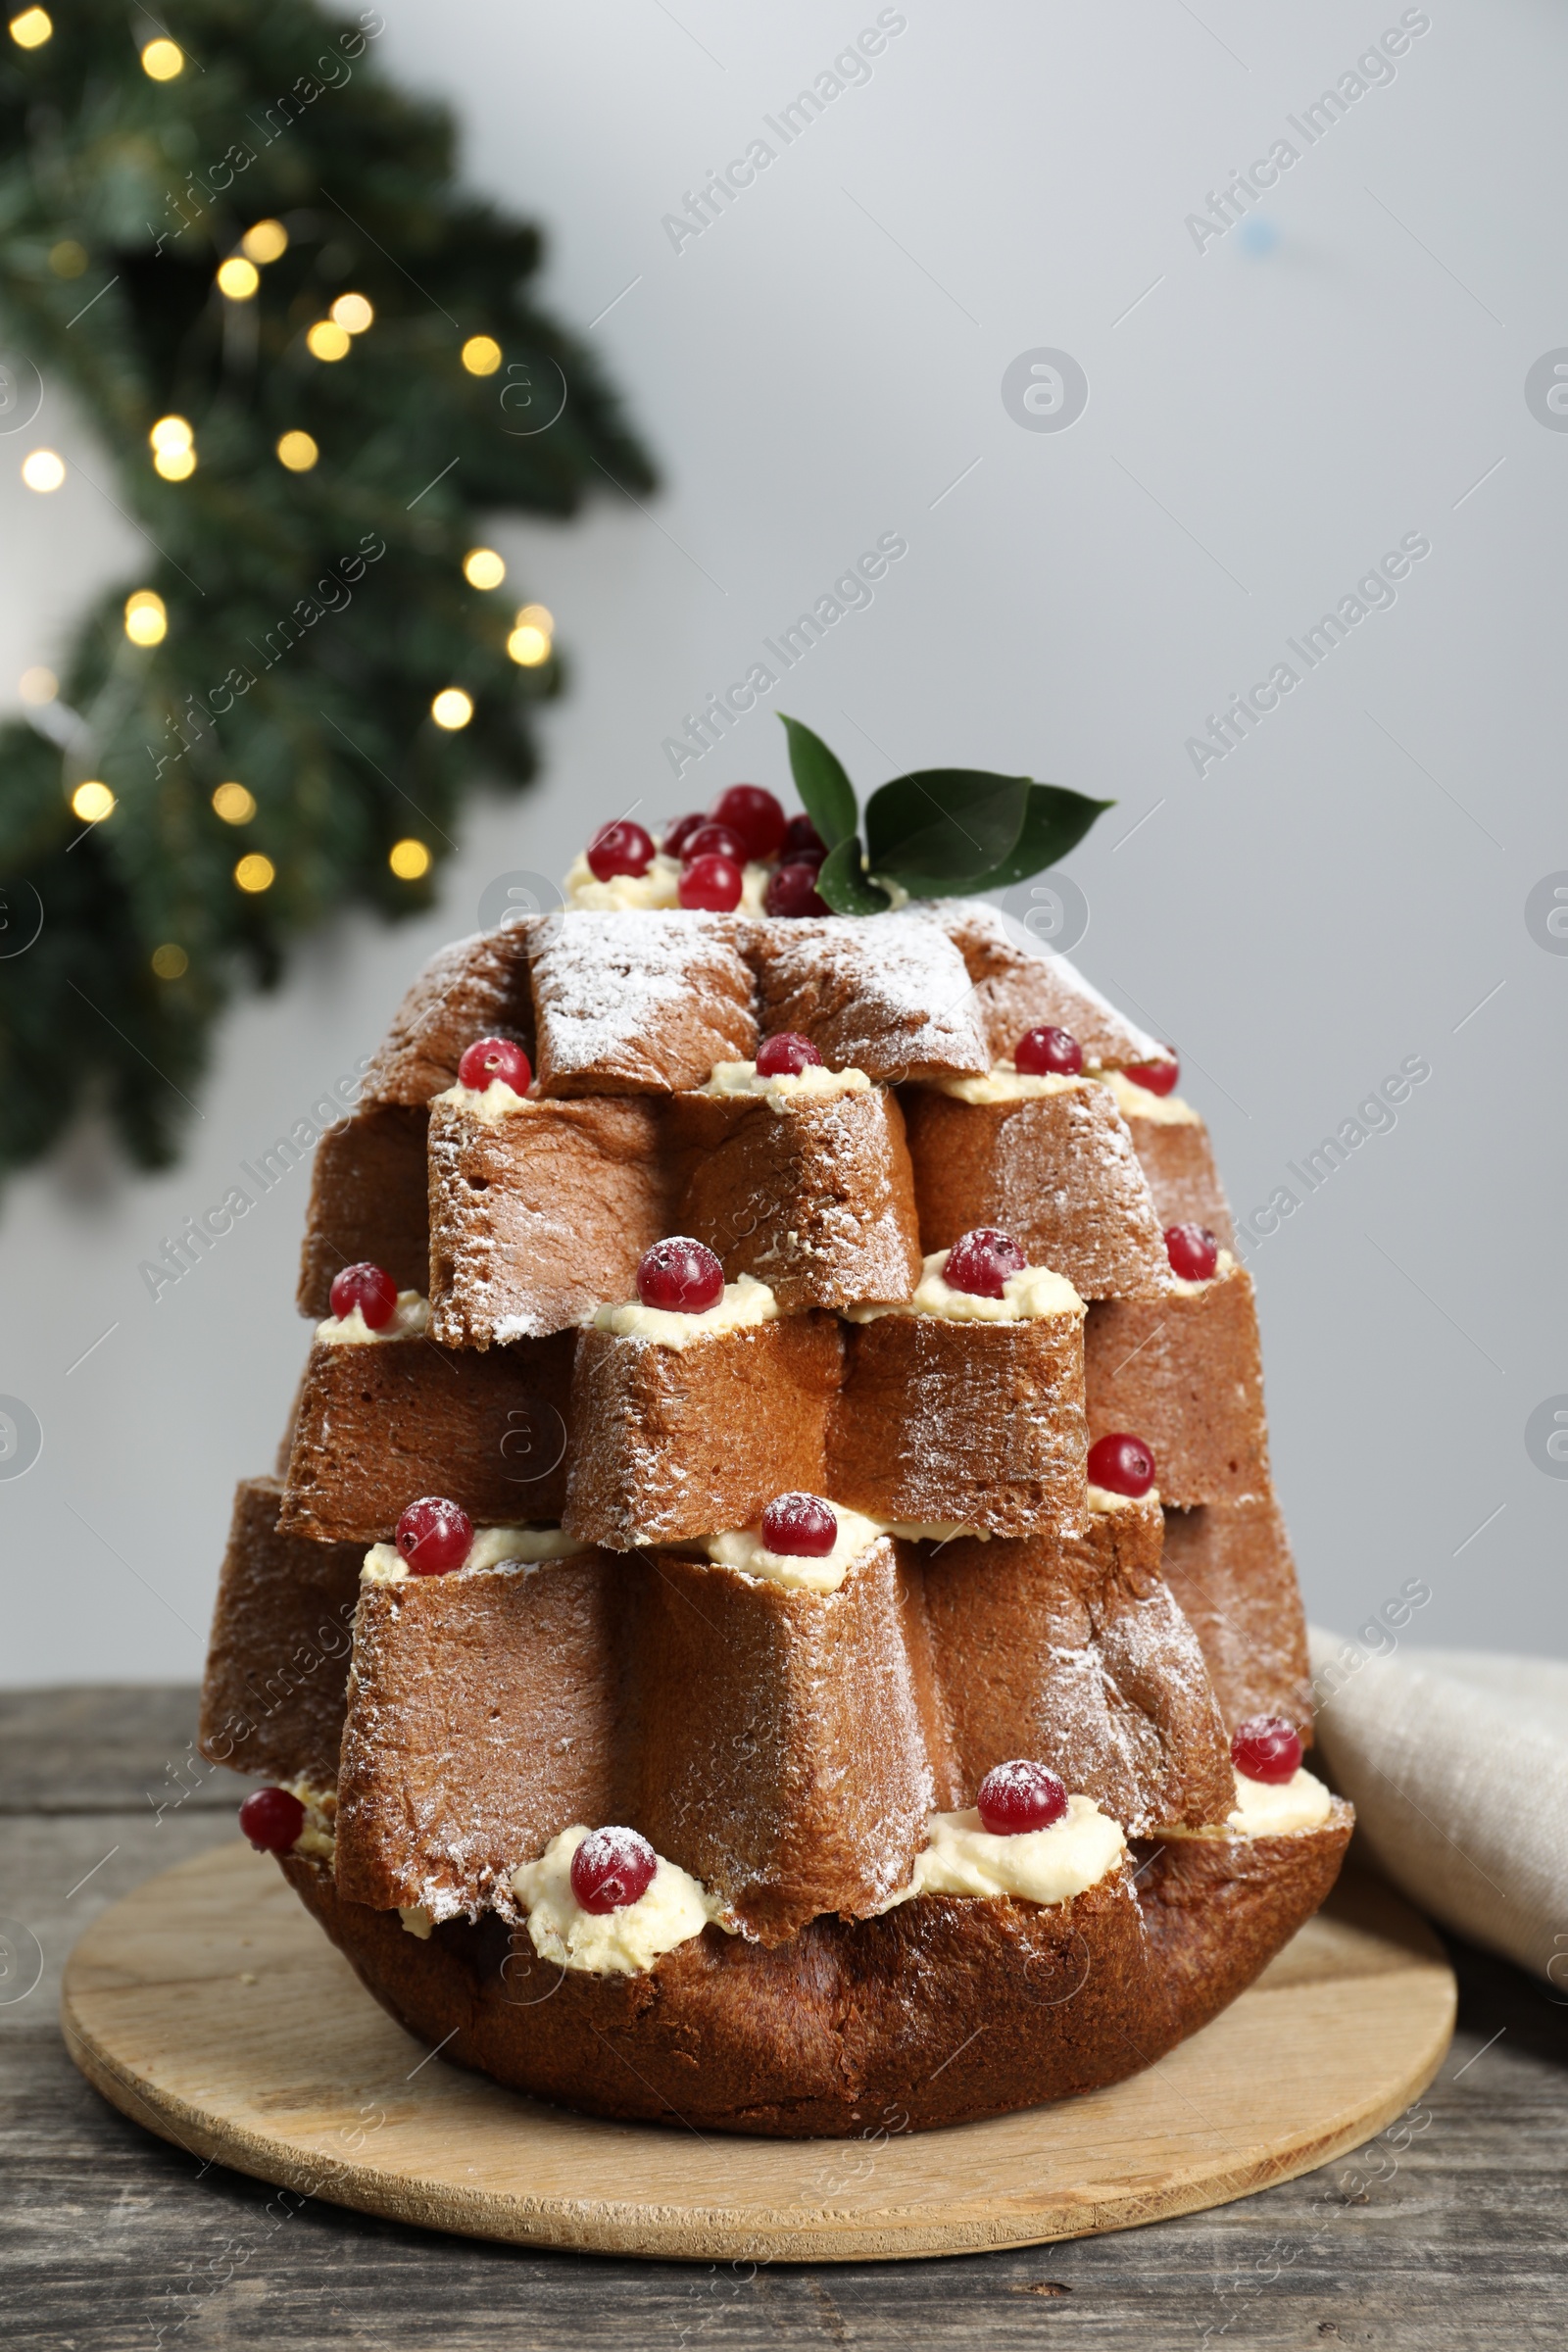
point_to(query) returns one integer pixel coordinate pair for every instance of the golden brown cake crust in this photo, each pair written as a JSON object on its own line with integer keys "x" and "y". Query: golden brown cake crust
{"x": 1071, "y": 1649}
{"x": 1185, "y": 1373}
{"x": 475, "y": 987}
{"x": 684, "y": 1441}
{"x": 1178, "y": 1159}
{"x": 1229, "y": 1565}
{"x": 1057, "y": 1171}
{"x": 814, "y": 1197}
{"x": 945, "y": 2010}
{"x": 542, "y": 1217}
{"x": 890, "y": 998}
{"x": 1014, "y": 991}
{"x": 277, "y": 1660}
{"x": 384, "y": 1422}
{"x": 483, "y": 1718}
{"x": 623, "y": 1006}
{"x": 368, "y": 1199}
{"x": 969, "y": 1424}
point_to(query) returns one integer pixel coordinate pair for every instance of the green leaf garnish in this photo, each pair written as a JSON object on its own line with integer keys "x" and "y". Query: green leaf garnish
{"x": 942, "y": 828}
{"x": 825, "y": 789}
{"x": 843, "y": 881}
{"x": 1055, "y": 822}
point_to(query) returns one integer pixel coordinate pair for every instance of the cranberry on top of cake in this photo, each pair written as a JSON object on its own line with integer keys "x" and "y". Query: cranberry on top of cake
{"x": 803, "y": 1542}
{"x": 682, "y": 1296}
{"x": 983, "y": 1278}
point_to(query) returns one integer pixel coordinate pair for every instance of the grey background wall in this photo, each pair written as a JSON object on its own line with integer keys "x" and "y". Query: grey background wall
{"x": 1269, "y": 411}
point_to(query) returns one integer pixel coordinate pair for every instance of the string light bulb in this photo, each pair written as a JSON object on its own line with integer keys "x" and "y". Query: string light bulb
{"x": 238, "y": 278}
{"x": 43, "y": 470}
{"x": 171, "y": 963}
{"x": 31, "y": 28}
{"x": 173, "y": 448}
{"x": 326, "y": 340}
{"x": 452, "y": 709}
{"x": 530, "y": 642}
{"x": 481, "y": 355}
{"x": 146, "y": 619}
{"x": 255, "y": 872}
{"x": 38, "y": 686}
{"x": 482, "y": 567}
{"x": 162, "y": 59}
{"x": 409, "y": 859}
{"x": 92, "y": 802}
{"x": 298, "y": 452}
{"x": 353, "y": 313}
{"x": 265, "y": 241}
{"x": 234, "y": 804}
{"x": 68, "y": 258}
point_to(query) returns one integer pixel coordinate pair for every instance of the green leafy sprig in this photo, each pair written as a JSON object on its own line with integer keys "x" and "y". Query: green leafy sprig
{"x": 939, "y": 833}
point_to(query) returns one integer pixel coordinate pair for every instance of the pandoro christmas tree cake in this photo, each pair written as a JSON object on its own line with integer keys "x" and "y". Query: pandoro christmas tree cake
{"x": 773, "y": 1610}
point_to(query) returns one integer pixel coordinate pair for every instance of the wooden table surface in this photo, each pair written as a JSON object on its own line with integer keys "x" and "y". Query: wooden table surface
{"x": 1448, "y": 2233}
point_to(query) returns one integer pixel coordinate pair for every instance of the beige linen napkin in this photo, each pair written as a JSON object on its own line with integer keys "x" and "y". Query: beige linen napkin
{"x": 1457, "y": 1762}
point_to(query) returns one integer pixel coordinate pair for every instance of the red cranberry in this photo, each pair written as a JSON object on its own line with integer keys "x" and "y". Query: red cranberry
{"x": 434, "y": 1534}
{"x": 1018, "y": 1796}
{"x": 491, "y": 1058}
{"x": 800, "y": 1526}
{"x": 369, "y": 1287}
{"x": 980, "y": 1263}
{"x": 680, "y": 833}
{"x": 1121, "y": 1464}
{"x": 1266, "y": 1748}
{"x": 611, "y": 1869}
{"x": 1155, "y": 1077}
{"x": 621, "y": 848}
{"x": 711, "y": 884}
{"x": 756, "y": 815}
{"x": 1193, "y": 1251}
{"x": 1048, "y": 1053}
{"x": 791, "y": 889}
{"x": 272, "y": 1820}
{"x": 786, "y": 1056}
{"x": 710, "y": 839}
{"x": 681, "y": 1276}
{"x": 803, "y": 841}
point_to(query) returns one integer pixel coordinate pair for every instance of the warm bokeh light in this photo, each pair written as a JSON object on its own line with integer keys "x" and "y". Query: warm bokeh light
{"x": 265, "y": 241}
{"x": 298, "y": 452}
{"x": 146, "y": 622}
{"x": 234, "y": 804}
{"x": 326, "y": 341}
{"x": 536, "y": 617}
{"x": 37, "y": 686}
{"x": 528, "y": 646}
{"x": 353, "y": 313}
{"x": 171, "y": 432}
{"x": 169, "y": 961}
{"x": 452, "y": 707}
{"x": 481, "y": 355}
{"x": 237, "y": 277}
{"x": 31, "y": 28}
{"x": 174, "y": 465}
{"x": 409, "y": 859}
{"x": 68, "y": 258}
{"x": 482, "y": 567}
{"x": 43, "y": 470}
{"x": 163, "y": 59}
{"x": 255, "y": 872}
{"x": 93, "y": 803}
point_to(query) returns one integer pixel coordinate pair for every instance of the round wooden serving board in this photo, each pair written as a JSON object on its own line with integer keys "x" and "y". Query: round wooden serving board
{"x": 209, "y": 2007}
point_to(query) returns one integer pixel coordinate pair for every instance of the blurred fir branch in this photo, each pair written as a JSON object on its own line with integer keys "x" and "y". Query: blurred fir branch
{"x": 310, "y": 618}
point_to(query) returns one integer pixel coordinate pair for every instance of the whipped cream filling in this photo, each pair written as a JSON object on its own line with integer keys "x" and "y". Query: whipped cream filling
{"x": 1005, "y": 1084}
{"x": 1135, "y": 1102}
{"x": 815, "y": 1082}
{"x": 416, "y": 1919}
{"x": 1025, "y": 1298}
{"x": 492, "y": 1547}
{"x": 1039, "y": 1866}
{"x": 671, "y": 1910}
{"x": 935, "y": 1531}
{"x": 318, "y": 1835}
{"x": 744, "y": 1302}
{"x": 490, "y": 1103}
{"x": 659, "y": 887}
{"x": 1224, "y": 1264}
{"x": 1268, "y": 1809}
{"x": 1100, "y": 1499}
{"x": 408, "y": 1320}
{"x": 744, "y": 1548}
